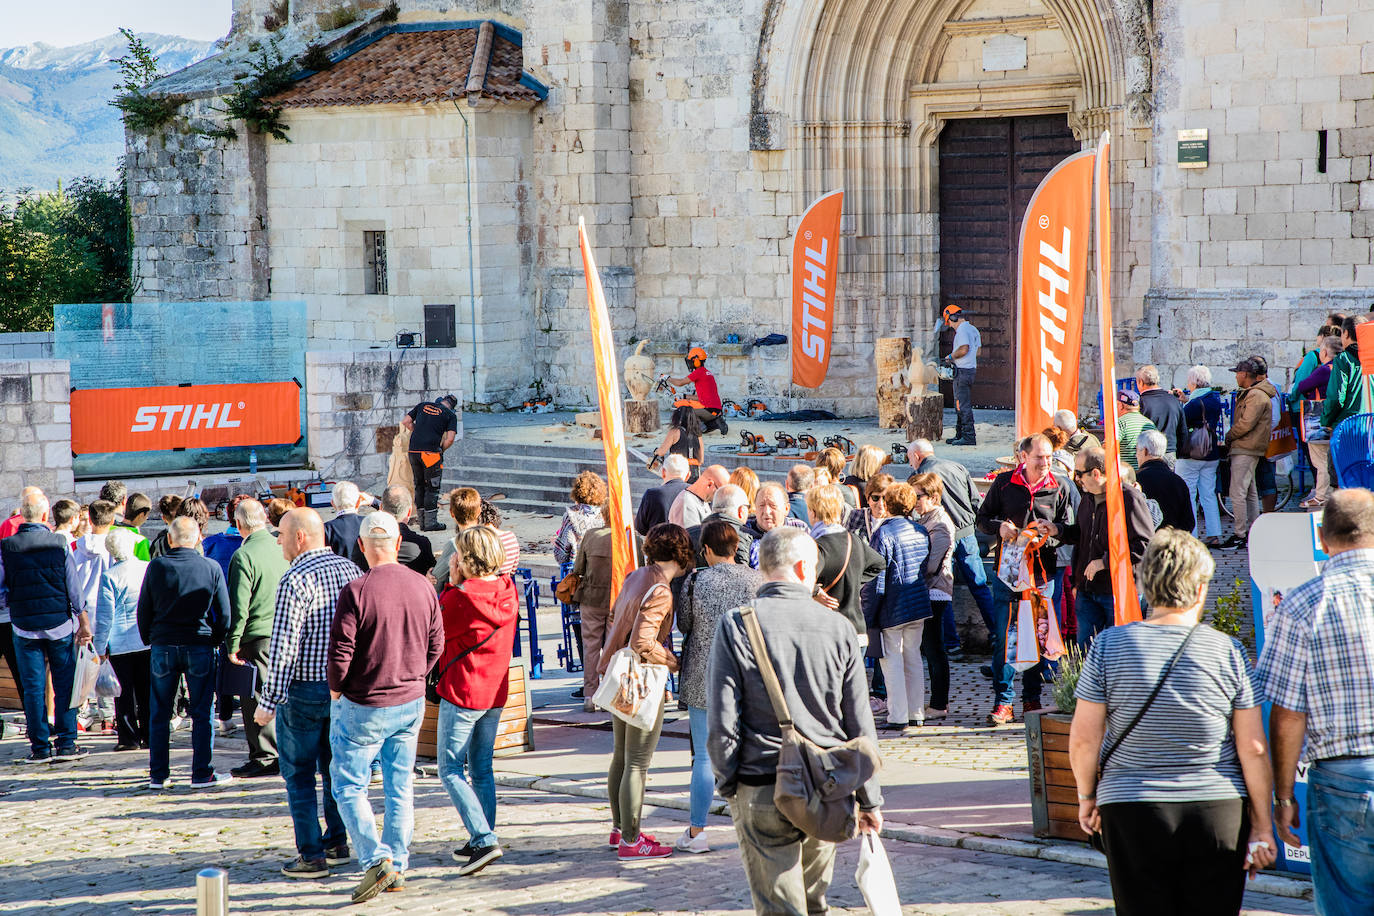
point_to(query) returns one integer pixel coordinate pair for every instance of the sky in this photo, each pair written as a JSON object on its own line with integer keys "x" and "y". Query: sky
{"x": 71, "y": 22}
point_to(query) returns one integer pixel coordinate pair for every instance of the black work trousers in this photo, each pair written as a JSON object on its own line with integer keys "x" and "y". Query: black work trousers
{"x": 427, "y": 482}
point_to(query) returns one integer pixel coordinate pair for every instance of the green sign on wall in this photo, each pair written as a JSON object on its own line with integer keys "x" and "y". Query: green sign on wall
{"x": 1192, "y": 149}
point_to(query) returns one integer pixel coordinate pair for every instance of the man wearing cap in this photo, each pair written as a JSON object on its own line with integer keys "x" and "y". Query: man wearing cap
{"x": 433, "y": 426}
{"x": 964, "y": 356}
{"x": 1130, "y": 423}
{"x": 1252, "y": 423}
{"x": 386, "y": 634}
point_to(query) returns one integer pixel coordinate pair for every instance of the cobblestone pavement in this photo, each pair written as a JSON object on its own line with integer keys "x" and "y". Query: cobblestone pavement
{"x": 87, "y": 838}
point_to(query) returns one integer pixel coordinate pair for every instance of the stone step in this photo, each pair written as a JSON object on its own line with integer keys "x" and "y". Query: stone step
{"x": 518, "y": 475}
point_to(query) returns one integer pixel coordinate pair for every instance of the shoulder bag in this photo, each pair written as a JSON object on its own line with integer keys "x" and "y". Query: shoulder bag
{"x": 1096, "y": 838}
{"x": 632, "y": 689}
{"x": 844, "y": 568}
{"x": 816, "y": 787}
{"x": 436, "y": 674}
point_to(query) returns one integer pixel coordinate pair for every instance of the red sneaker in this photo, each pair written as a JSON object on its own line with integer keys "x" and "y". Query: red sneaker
{"x": 614, "y": 841}
{"x": 1000, "y": 715}
{"x": 644, "y": 848}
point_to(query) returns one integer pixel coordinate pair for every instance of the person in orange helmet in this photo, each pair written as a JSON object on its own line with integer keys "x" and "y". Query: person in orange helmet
{"x": 707, "y": 405}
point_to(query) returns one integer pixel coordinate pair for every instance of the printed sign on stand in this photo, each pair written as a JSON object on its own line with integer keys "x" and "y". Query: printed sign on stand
{"x": 1284, "y": 553}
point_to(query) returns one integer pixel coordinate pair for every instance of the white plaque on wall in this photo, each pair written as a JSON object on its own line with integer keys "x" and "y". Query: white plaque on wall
{"x": 1004, "y": 52}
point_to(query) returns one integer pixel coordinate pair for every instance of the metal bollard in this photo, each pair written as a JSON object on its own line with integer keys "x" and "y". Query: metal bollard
{"x": 212, "y": 892}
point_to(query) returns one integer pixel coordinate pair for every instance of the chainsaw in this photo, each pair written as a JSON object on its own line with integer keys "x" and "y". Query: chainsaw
{"x": 753, "y": 444}
{"x": 787, "y": 444}
{"x": 842, "y": 443}
{"x": 731, "y": 409}
{"x": 899, "y": 455}
{"x": 807, "y": 442}
{"x": 755, "y": 408}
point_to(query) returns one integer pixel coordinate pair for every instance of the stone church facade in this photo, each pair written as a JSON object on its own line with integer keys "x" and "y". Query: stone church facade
{"x": 692, "y": 134}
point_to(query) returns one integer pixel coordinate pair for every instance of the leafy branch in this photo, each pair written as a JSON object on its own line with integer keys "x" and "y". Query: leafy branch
{"x": 269, "y": 74}
{"x": 142, "y": 113}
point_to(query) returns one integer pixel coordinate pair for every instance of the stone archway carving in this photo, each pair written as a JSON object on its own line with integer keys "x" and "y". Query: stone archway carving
{"x": 851, "y": 92}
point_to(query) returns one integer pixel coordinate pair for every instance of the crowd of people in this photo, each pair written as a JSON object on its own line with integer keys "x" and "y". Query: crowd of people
{"x": 843, "y": 576}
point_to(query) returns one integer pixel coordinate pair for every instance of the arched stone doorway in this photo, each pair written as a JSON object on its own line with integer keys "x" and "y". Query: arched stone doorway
{"x": 857, "y": 94}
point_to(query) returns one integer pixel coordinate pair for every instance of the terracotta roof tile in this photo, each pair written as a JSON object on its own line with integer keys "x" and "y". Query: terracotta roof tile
{"x": 413, "y": 67}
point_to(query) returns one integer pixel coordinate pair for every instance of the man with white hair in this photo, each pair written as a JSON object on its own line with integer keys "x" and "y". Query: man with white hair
{"x": 10, "y": 525}
{"x": 1079, "y": 439}
{"x": 1161, "y": 484}
{"x": 386, "y": 635}
{"x": 826, "y": 694}
{"x": 183, "y": 612}
{"x": 656, "y": 502}
{"x": 416, "y": 551}
{"x": 729, "y": 504}
{"x": 1163, "y": 409}
{"x": 254, "y": 573}
{"x": 341, "y": 532}
{"x": 694, "y": 503}
{"x": 42, "y": 588}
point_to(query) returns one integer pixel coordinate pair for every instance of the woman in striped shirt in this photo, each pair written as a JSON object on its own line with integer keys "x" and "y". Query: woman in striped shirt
{"x": 1180, "y": 793}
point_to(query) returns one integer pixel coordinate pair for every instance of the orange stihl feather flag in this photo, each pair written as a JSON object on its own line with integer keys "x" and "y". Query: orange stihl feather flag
{"x": 612, "y": 423}
{"x": 1052, "y": 283}
{"x": 815, "y": 265}
{"x": 1119, "y": 552}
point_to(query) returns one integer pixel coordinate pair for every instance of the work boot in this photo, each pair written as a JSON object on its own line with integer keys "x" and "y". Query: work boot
{"x": 430, "y": 520}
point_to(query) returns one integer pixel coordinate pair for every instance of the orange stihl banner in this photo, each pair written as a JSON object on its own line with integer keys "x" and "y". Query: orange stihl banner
{"x": 815, "y": 266}
{"x": 1052, "y": 283}
{"x": 185, "y": 416}
{"x": 1127, "y": 606}
{"x": 612, "y": 424}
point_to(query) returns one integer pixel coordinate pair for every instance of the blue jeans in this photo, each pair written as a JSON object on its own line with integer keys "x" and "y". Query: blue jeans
{"x": 357, "y": 736}
{"x": 963, "y": 403}
{"x": 703, "y": 780}
{"x": 35, "y": 657}
{"x": 466, "y": 739}
{"x": 968, "y": 568}
{"x": 168, "y": 664}
{"x": 1340, "y": 830}
{"x": 303, "y": 749}
{"x": 1002, "y": 673}
{"x": 1095, "y": 613}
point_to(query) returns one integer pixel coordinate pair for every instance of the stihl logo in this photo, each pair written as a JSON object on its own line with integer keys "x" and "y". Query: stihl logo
{"x": 1054, "y": 314}
{"x": 814, "y": 300}
{"x": 191, "y": 416}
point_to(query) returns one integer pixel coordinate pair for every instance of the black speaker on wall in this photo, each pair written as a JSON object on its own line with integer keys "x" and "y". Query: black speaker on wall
{"x": 440, "y": 330}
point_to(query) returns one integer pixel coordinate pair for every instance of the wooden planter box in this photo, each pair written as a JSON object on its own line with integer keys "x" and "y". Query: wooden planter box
{"x": 10, "y": 697}
{"x": 1054, "y": 794}
{"x": 514, "y": 735}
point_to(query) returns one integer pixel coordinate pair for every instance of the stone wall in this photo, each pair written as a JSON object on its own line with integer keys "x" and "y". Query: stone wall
{"x": 36, "y": 345}
{"x": 401, "y": 169}
{"x": 36, "y": 432}
{"x": 196, "y": 209}
{"x": 355, "y": 401}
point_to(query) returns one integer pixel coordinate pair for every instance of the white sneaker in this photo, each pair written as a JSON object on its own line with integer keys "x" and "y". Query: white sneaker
{"x": 696, "y": 844}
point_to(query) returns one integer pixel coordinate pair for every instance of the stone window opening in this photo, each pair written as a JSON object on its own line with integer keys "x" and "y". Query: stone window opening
{"x": 374, "y": 253}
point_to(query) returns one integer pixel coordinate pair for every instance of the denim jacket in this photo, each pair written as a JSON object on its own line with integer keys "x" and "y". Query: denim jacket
{"x": 116, "y": 609}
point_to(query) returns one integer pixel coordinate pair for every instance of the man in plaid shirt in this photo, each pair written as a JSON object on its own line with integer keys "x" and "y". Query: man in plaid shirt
{"x": 298, "y": 688}
{"x": 1317, "y": 668}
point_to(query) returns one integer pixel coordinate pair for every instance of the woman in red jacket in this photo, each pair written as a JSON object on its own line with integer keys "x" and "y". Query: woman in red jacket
{"x": 480, "y": 611}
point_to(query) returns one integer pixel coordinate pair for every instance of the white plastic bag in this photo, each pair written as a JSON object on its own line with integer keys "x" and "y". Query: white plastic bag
{"x": 874, "y": 877}
{"x": 87, "y": 671}
{"x": 107, "y": 684}
{"x": 632, "y": 690}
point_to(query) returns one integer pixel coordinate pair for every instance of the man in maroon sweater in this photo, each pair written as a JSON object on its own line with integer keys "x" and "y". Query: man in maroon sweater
{"x": 386, "y": 635}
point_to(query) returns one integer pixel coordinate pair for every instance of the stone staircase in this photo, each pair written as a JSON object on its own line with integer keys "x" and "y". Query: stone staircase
{"x": 532, "y": 478}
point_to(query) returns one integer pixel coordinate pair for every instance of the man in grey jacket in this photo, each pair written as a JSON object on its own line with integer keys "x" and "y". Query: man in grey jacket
{"x": 789, "y": 872}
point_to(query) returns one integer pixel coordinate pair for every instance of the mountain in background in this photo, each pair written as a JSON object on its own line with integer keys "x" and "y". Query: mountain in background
{"x": 56, "y": 122}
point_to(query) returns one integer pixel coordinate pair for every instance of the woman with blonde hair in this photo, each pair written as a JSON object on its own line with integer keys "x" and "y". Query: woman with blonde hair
{"x": 480, "y": 610}
{"x": 867, "y": 461}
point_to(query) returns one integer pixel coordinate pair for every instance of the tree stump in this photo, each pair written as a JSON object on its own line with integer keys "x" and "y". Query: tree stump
{"x": 925, "y": 417}
{"x": 893, "y": 358}
{"x": 641, "y": 416}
